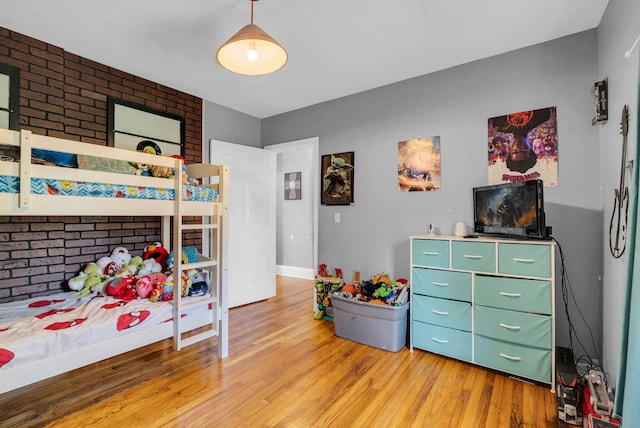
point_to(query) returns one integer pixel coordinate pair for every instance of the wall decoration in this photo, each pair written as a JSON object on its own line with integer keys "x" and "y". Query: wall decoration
{"x": 600, "y": 102}
{"x": 135, "y": 127}
{"x": 337, "y": 179}
{"x": 524, "y": 146}
{"x": 419, "y": 164}
{"x": 292, "y": 185}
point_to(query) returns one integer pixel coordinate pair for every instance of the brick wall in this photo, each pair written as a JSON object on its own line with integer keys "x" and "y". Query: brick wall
{"x": 64, "y": 95}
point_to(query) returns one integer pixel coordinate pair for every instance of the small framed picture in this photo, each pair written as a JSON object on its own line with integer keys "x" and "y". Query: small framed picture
{"x": 292, "y": 186}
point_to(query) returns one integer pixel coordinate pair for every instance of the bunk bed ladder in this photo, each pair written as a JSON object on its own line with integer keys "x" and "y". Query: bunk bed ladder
{"x": 210, "y": 263}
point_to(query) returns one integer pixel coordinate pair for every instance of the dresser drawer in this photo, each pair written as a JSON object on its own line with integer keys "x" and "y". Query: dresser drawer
{"x": 442, "y": 312}
{"x": 533, "y": 363}
{"x": 526, "y": 295}
{"x": 475, "y": 256}
{"x": 442, "y": 340}
{"x": 517, "y": 327}
{"x": 441, "y": 283}
{"x": 524, "y": 259}
{"x": 430, "y": 252}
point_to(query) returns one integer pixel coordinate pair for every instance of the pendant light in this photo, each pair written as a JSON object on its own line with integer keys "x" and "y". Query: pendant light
{"x": 252, "y": 51}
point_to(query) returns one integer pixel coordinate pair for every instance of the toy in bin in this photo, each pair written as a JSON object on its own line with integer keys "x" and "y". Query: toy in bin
{"x": 323, "y": 286}
{"x": 597, "y": 405}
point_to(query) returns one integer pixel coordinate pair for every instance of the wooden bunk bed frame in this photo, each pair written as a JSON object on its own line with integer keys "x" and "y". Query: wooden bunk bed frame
{"x": 184, "y": 331}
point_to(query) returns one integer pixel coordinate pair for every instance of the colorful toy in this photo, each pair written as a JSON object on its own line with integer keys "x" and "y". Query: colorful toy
{"x": 122, "y": 288}
{"x": 148, "y": 283}
{"x": 165, "y": 290}
{"x": 86, "y": 280}
{"x": 199, "y": 286}
{"x": 158, "y": 253}
{"x": 149, "y": 266}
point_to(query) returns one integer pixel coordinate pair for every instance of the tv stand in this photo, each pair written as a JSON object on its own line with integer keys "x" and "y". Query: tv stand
{"x": 488, "y": 301}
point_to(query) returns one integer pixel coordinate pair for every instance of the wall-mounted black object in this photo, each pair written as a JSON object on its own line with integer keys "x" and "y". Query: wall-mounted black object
{"x": 600, "y": 102}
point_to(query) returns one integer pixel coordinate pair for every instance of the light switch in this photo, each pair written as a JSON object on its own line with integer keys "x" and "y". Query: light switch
{"x": 336, "y": 217}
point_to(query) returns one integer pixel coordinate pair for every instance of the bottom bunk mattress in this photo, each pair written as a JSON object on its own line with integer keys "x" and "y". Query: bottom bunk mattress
{"x": 43, "y": 327}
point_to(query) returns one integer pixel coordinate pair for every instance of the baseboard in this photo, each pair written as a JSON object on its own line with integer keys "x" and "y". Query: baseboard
{"x": 296, "y": 272}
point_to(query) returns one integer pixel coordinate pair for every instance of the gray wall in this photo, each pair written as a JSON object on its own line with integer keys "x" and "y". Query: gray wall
{"x": 224, "y": 124}
{"x": 455, "y": 104}
{"x": 617, "y": 31}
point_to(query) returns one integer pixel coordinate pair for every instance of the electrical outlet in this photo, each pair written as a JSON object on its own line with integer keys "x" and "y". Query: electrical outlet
{"x": 336, "y": 217}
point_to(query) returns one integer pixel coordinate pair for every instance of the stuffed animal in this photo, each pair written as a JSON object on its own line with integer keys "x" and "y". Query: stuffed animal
{"x": 121, "y": 256}
{"x": 122, "y": 288}
{"x": 148, "y": 283}
{"x": 183, "y": 258}
{"x": 149, "y": 266}
{"x": 88, "y": 278}
{"x": 106, "y": 266}
{"x": 161, "y": 171}
{"x": 158, "y": 253}
{"x": 199, "y": 286}
{"x": 166, "y": 289}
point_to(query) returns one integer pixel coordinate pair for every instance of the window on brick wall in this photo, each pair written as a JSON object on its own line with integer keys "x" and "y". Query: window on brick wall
{"x": 132, "y": 126}
{"x": 9, "y": 96}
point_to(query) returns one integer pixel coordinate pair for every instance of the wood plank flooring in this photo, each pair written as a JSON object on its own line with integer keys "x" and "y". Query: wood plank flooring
{"x": 284, "y": 370}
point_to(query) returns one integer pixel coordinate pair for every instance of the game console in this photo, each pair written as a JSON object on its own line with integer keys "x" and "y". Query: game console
{"x": 568, "y": 388}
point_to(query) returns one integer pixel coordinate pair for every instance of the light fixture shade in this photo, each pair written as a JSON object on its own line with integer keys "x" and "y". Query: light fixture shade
{"x": 232, "y": 55}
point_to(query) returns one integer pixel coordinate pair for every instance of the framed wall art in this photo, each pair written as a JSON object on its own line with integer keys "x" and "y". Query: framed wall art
{"x": 419, "y": 165}
{"x": 292, "y": 186}
{"x": 336, "y": 176}
{"x": 523, "y": 146}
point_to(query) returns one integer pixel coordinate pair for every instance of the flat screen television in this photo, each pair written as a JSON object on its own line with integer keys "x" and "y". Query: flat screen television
{"x": 511, "y": 210}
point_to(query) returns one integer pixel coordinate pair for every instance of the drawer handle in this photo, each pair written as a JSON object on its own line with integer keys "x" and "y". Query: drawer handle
{"x": 439, "y": 312}
{"x": 471, "y": 256}
{"x": 509, "y": 357}
{"x": 439, "y": 340}
{"x": 504, "y": 293}
{"x": 430, "y": 253}
{"x": 440, "y": 284}
{"x": 516, "y": 259}
{"x": 510, "y": 327}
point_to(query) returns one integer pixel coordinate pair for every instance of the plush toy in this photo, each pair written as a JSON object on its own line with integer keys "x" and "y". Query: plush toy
{"x": 148, "y": 283}
{"x": 158, "y": 253}
{"x": 183, "y": 258}
{"x": 199, "y": 286}
{"x": 121, "y": 256}
{"x": 122, "y": 288}
{"x": 166, "y": 289}
{"x": 149, "y": 266}
{"x": 161, "y": 171}
{"x": 91, "y": 284}
{"x": 106, "y": 266}
{"x": 86, "y": 280}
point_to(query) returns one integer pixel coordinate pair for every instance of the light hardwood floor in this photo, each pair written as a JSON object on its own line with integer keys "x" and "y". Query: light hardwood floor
{"x": 284, "y": 370}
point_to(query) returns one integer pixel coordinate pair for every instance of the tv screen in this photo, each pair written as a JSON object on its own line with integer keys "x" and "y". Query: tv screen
{"x": 510, "y": 209}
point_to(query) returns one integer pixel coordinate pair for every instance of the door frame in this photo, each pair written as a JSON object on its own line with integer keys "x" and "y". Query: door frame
{"x": 313, "y": 144}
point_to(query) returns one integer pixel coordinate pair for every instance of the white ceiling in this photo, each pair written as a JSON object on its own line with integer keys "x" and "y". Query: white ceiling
{"x": 336, "y": 47}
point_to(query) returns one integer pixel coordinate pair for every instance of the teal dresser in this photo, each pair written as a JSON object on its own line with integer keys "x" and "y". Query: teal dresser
{"x": 486, "y": 301}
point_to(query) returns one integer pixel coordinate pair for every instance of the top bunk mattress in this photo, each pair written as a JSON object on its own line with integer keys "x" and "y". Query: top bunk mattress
{"x": 42, "y": 186}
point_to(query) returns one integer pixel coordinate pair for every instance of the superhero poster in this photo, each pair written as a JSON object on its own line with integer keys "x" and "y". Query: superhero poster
{"x": 523, "y": 146}
{"x": 419, "y": 164}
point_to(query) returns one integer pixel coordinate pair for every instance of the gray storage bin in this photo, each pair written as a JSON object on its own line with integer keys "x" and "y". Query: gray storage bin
{"x": 380, "y": 326}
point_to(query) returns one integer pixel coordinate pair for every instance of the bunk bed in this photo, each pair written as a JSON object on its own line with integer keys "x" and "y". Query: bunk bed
{"x": 32, "y": 189}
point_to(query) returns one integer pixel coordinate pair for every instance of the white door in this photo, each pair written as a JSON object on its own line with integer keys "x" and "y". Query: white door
{"x": 252, "y": 221}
